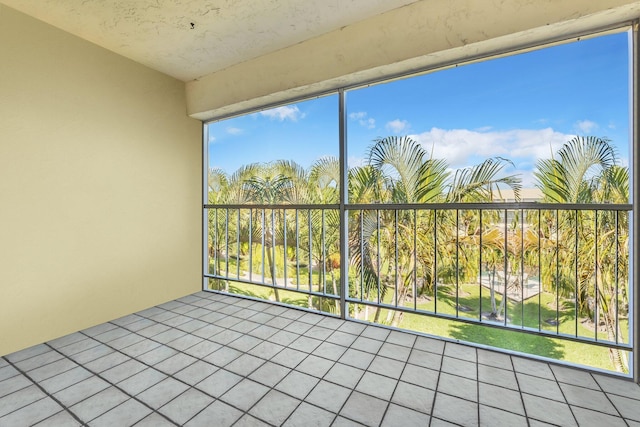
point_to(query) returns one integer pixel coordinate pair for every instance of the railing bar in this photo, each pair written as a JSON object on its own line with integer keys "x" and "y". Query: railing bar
{"x": 437, "y": 206}
{"x": 435, "y": 261}
{"x": 250, "y": 244}
{"x": 505, "y": 301}
{"x": 457, "y": 263}
{"x": 297, "y": 252}
{"x": 415, "y": 259}
{"x": 493, "y": 206}
{"x": 324, "y": 256}
{"x": 238, "y": 245}
{"x": 361, "y": 255}
{"x": 498, "y": 325}
{"x": 395, "y": 281}
{"x": 575, "y": 292}
{"x": 262, "y": 237}
{"x": 557, "y": 270}
{"x": 378, "y": 251}
{"x": 273, "y": 247}
{"x": 278, "y": 206}
{"x": 226, "y": 241}
{"x": 215, "y": 247}
{"x": 310, "y": 268}
{"x": 268, "y": 285}
{"x": 206, "y": 244}
{"x": 597, "y": 291}
{"x": 284, "y": 247}
{"x": 539, "y": 269}
{"x": 480, "y": 267}
{"x": 616, "y": 279}
{"x": 522, "y": 267}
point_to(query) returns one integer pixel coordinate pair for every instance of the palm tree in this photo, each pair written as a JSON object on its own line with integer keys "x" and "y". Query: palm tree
{"x": 585, "y": 171}
{"x": 574, "y": 176}
{"x": 281, "y": 182}
{"x": 323, "y": 188}
{"x": 218, "y": 193}
{"x": 387, "y": 238}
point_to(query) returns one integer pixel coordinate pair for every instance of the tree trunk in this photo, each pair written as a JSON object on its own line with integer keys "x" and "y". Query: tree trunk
{"x": 272, "y": 269}
{"x": 617, "y": 357}
{"x": 391, "y": 313}
{"x": 397, "y": 318}
{"x": 335, "y": 291}
{"x": 376, "y": 317}
{"x": 492, "y": 292}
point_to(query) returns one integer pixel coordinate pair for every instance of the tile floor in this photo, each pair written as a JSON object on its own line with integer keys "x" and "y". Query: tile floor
{"x": 216, "y": 360}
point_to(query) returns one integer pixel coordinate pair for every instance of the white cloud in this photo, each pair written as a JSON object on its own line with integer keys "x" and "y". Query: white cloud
{"x": 585, "y": 126}
{"x": 212, "y": 139}
{"x": 354, "y": 161}
{"x": 363, "y": 120}
{"x": 397, "y": 126}
{"x": 234, "y": 131}
{"x": 284, "y": 113}
{"x": 463, "y": 147}
{"x": 369, "y": 123}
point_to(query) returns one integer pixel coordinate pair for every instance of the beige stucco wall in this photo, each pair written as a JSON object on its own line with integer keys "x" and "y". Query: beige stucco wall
{"x": 425, "y": 34}
{"x": 100, "y": 185}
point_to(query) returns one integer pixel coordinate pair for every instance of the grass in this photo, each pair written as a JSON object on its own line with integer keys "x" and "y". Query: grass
{"x": 554, "y": 348}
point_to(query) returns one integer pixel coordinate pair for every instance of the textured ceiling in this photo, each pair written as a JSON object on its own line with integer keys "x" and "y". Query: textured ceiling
{"x": 188, "y": 39}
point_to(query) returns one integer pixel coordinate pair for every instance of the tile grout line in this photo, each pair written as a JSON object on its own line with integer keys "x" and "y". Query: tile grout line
{"x": 172, "y": 375}
{"x": 322, "y": 341}
{"x": 238, "y": 314}
{"x": 110, "y": 383}
{"x": 271, "y": 388}
{"x": 223, "y": 345}
{"x": 352, "y": 389}
{"x": 398, "y": 382}
{"x": 37, "y": 384}
{"x": 478, "y": 383}
{"x": 553, "y": 374}
{"x": 294, "y": 368}
{"x": 520, "y": 392}
{"x": 365, "y": 369}
{"x": 608, "y": 398}
{"x": 435, "y": 394}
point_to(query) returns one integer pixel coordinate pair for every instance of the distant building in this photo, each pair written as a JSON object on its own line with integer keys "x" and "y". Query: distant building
{"x": 526, "y": 195}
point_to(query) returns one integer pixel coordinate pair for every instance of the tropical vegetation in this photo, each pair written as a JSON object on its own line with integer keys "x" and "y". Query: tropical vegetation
{"x": 423, "y": 238}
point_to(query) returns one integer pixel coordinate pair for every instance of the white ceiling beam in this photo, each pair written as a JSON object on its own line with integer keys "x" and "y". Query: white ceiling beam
{"x": 425, "y": 34}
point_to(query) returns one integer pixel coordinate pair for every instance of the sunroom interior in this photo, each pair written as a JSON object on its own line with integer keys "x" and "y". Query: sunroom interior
{"x": 103, "y": 175}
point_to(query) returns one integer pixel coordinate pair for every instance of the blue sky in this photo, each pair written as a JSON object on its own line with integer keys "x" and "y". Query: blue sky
{"x": 522, "y": 107}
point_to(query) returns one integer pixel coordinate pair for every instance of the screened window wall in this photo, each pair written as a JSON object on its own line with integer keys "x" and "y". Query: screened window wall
{"x": 487, "y": 202}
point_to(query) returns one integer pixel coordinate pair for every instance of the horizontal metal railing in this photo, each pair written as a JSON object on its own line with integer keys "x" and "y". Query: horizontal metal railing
{"x": 559, "y": 270}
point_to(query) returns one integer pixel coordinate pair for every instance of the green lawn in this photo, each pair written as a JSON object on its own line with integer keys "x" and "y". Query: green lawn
{"x": 469, "y": 297}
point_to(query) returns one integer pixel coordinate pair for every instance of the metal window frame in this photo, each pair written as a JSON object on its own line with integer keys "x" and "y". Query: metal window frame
{"x": 634, "y": 223}
{"x": 344, "y": 207}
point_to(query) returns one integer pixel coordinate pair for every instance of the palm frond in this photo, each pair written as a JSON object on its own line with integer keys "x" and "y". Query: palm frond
{"x": 401, "y": 159}
{"x": 481, "y": 182}
{"x": 574, "y": 177}
{"x": 218, "y": 183}
{"x": 366, "y": 185}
